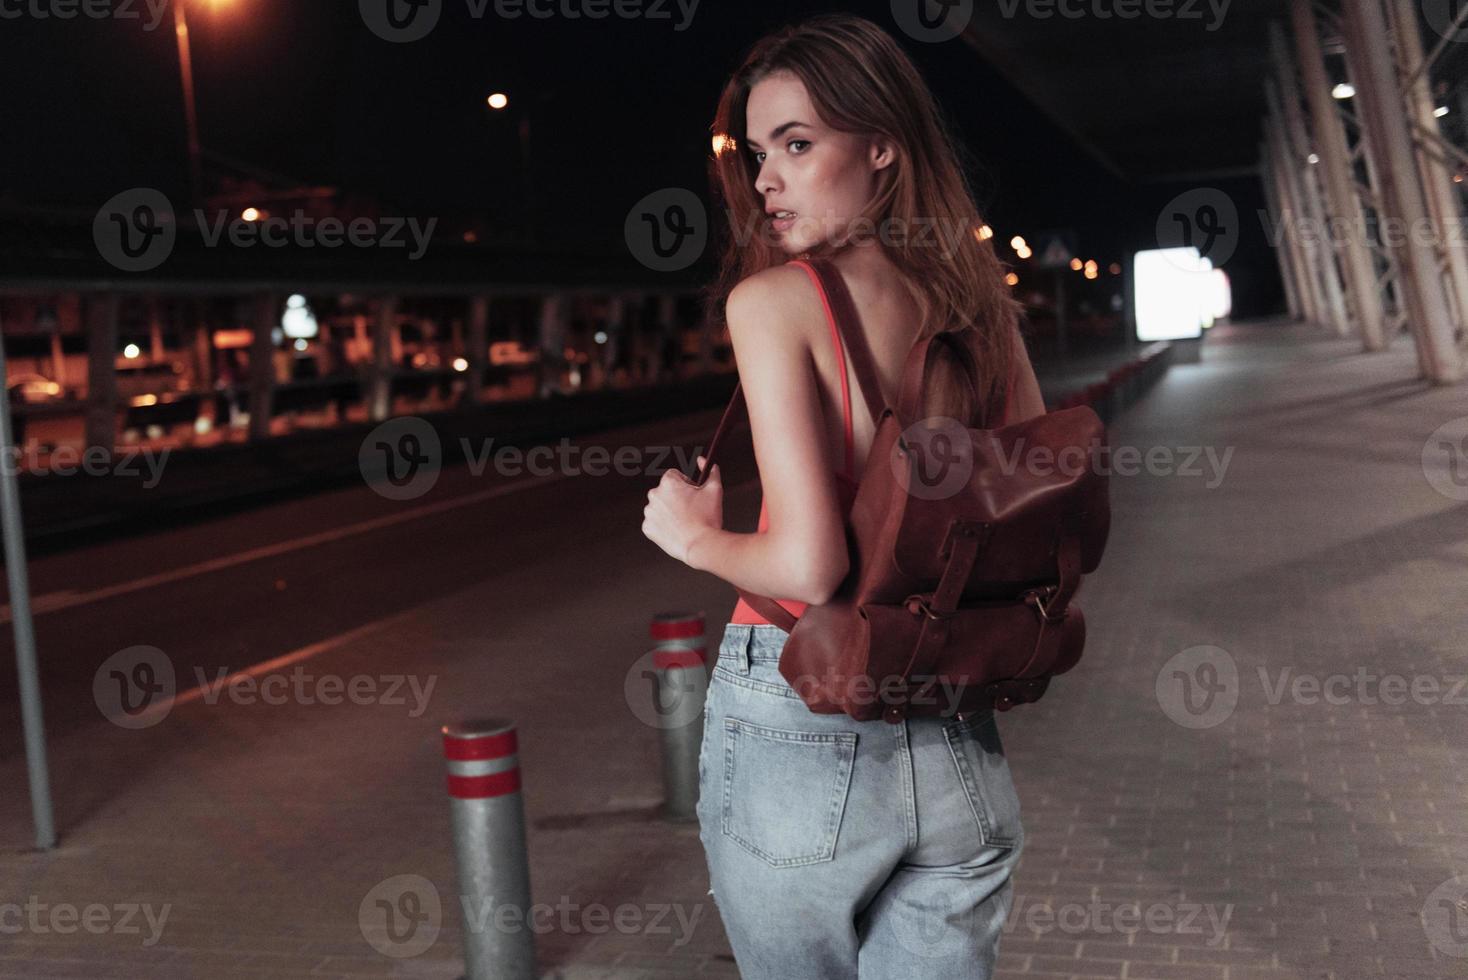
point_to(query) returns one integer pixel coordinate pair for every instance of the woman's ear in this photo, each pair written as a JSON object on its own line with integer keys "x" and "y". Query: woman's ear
{"x": 881, "y": 154}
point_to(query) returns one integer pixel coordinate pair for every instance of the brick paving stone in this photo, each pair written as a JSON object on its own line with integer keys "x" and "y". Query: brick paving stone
{"x": 1319, "y": 829}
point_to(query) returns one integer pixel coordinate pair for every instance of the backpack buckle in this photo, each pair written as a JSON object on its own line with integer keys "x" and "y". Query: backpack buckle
{"x": 918, "y": 604}
{"x": 1039, "y": 598}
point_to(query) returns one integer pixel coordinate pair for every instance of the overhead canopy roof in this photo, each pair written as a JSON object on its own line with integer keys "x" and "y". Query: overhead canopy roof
{"x": 1152, "y": 98}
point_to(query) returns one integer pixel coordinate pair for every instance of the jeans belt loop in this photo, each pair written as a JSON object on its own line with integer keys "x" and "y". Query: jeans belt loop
{"x": 745, "y": 653}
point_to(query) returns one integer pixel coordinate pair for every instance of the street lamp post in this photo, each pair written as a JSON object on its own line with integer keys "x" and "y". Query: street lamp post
{"x": 499, "y": 102}
{"x": 186, "y": 67}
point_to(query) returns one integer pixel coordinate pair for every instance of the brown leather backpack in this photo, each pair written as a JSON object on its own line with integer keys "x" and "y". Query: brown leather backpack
{"x": 966, "y": 545}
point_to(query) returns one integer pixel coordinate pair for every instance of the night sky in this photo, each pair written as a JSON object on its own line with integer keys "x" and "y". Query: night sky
{"x": 619, "y": 108}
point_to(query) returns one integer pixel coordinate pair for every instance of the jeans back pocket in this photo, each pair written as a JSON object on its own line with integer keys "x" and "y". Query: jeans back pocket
{"x": 983, "y": 769}
{"x": 785, "y": 791}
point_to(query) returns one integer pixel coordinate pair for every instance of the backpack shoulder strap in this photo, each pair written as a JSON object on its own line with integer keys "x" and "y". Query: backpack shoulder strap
{"x": 843, "y": 311}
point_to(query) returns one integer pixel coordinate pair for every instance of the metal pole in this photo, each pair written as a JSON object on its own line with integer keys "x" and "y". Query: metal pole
{"x": 478, "y": 346}
{"x": 1306, "y": 229}
{"x": 1289, "y": 214}
{"x": 379, "y": 397}
{"x": 1349, "y": 237}
{"x": 101, "y": 418}
{"x": 680, "y": 663}
{"x": 1442, "y": 196}
{"x": 262, "y": 365}
{"x": 32, "y": 722}
{"x": 186, "y": 67}
{"x": 489, "y": 846}
{"x": 1437, "y": 346}
{"x": 1297, "y": 142}
{"x": 1283, "y": 254}
{"x": 1390, "y": 211}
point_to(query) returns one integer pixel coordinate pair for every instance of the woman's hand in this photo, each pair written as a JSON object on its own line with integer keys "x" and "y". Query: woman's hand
{"x": 678, "y": 513}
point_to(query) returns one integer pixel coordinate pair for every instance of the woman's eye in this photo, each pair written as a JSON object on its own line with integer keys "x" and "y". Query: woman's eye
{"x": 791, "y": 145}
{"x": 759, "y": 154}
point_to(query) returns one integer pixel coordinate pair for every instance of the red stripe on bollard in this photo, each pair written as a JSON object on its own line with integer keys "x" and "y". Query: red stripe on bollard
{"x": 663, "y": 659}
{"x": 470, "y": 749}
{"x": 677, "y": 629}
{"x": 483, "y": 787}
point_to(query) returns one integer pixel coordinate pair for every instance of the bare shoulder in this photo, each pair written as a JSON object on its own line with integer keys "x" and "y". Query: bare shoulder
{"x": 780, "y": 301}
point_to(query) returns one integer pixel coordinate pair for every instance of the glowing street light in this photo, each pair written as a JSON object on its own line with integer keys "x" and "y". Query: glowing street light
{"x": 498, "y": 100}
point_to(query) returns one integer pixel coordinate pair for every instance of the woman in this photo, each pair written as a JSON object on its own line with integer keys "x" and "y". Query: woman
{"x": 840, "y": 848}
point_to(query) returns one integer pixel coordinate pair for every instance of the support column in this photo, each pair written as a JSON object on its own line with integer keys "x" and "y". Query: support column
{"x": 155, "y": 332}
{"x": 203, "y": 347}
{"x": 1297, "y": 142}
{"x": 101, "y": 420}
{"x": 1277, "y": 217}
{"x": 478, "y": 346}
{"x": 1437, "y": 347}
{"x": 1289, "y": 216}
{"x": 668, "y": 334}
{"x": 379, "y": 385}
{"x": 58, "y": 356}
{"x": 262, "y": 365}
{"x": 1307, "y": 231}
{"x": 1349, "y": 224}
{"x": 555, "y": 314}
{"x": 1442, "y": 197}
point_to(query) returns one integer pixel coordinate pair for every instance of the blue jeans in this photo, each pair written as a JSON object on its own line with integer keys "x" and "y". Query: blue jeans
{"x": 841, "y": 848}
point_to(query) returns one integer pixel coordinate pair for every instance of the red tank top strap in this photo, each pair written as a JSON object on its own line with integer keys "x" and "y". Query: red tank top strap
{"x": 850, "y": 439}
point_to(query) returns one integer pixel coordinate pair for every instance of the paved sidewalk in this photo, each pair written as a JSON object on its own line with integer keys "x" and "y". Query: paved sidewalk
{"x": 1261, "y": 836}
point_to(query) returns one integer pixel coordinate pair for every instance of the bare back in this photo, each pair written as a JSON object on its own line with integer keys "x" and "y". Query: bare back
{"x": 885, "y": 309}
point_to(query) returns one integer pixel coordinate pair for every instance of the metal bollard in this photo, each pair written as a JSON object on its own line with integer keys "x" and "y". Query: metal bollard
{"x": 680, "y": 663}
{"x": 489, "y": 845}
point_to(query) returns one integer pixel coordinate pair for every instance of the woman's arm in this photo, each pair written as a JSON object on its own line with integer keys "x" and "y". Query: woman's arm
{"x": 1025, "y": 401}
{"x": 802, "y": 555}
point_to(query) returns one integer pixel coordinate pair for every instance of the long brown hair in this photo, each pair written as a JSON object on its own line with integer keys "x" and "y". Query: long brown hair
{"x": 861, "y": 81}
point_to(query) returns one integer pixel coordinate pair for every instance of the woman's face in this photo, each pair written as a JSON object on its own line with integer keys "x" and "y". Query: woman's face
{"x": 823, "y": 177}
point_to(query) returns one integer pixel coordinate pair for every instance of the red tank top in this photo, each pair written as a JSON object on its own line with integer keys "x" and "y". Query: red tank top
{"x": 846, "y": 482}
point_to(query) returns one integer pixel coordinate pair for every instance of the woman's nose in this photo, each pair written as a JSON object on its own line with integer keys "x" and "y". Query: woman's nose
{"x": 767, "y": 181}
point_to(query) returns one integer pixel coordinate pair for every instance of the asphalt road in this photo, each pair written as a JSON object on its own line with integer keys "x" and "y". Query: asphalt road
{"x": 282, "y": 582}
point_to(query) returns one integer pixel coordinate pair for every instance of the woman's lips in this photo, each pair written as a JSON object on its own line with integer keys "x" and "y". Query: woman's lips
{"x": 782, "y": 224}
